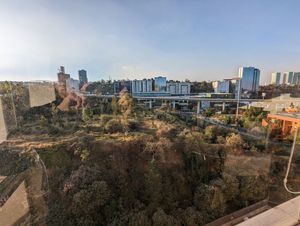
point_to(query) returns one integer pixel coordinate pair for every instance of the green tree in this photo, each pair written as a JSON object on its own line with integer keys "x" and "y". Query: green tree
{"x": 87, "y": 114}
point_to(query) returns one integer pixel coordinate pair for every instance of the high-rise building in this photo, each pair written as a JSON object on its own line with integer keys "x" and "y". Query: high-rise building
{"x": 82, "y": 75}
{"x": 296, "y": 78}
{"x": 250, "y": 79}
{"x": 160, "y": 84}
{"x": 222, "y": 86}
{"x": 142, "y": 86}
{"x": 72, "y": 85}
{"x": 62, "y": 76}
{"x": 178, "y": 88}
{"x": 288, "y": 78}
{"x": 275, "y": 78}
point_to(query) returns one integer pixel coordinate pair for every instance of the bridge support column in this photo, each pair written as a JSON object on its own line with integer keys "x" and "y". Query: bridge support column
{"x": 223, "y": 106}
{"x": 198, "y": 107}
{"x": 173, "y": 104}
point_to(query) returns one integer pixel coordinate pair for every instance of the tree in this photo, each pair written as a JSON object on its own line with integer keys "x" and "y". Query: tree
{"x": 235, "y": 141}
{"x": 139, "y": 219}
{"x": 87, "y": 114}
{"x": 160, "y": 218}
{"x": 113, "y": 126}
{"x": 114, "y": 105}
{"x": 191, "y": 217}
{"x": 87, "y": 204}
{"x": 126, "y": 104}
{"x": 153, "y": 187}
{"x": 209, "y": 199}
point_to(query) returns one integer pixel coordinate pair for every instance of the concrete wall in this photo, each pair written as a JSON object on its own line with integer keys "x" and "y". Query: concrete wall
{"x": 13, "y": 107}
{"x": 8, "y": 120}
{"x": 41, "y": 94}
{"x": 3, "y": 132}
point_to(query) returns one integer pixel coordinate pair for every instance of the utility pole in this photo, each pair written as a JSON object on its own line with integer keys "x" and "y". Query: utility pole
{"x": 238, "y": 99}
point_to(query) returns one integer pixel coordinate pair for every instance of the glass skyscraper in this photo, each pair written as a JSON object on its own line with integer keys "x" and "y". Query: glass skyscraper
{"x": 288, "y": 77}
{"x": 82, "y": 77}
{"x": 250, "y": 79}
{"x": 160, "y": 84}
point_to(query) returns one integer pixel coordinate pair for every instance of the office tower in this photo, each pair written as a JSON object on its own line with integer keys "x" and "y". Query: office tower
{"x": 62, "y": 76}
{"x": 288, "y": 78}
{"x": 142, "y": 86}
{"x": 221, "y": 86}
{"x": 296, "y": 78}
{"x": 250, "y": 79}
{"x": 160, "y": 84}
{"x": 72, "y": 85}
{"x": 275, "y": 78}
{"x": 180, "y": 88}
{"x": 82, "y": 75}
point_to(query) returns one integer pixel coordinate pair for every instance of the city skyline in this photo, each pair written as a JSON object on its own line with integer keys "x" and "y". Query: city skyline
{"x": 198, "y": 40}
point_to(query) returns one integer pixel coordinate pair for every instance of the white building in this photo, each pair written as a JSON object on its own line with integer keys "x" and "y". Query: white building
{"x": 275, "y": 78}
{"x": 142, "y": 86}
{"x": 180, "y": 88}
{"x": 222, "y": 86}
{"x": 72, "y": 85}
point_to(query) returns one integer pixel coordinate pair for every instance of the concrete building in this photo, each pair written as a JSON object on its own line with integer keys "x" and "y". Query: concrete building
{"x": 82, "y": 76}
{"x": 288, "y": 78}
{"x": 296, "y": 78}
{"x": 122, "y": 84}
{"x": 275, "y": 78}
{"x": 250, "y": 79}
{"x": 160, "y": 84}
{"x": 234, "y": 85}
{"x": 179, "y": 88}
{"x": 72, "y": 85}
{"x": 142, "y": 86}
{"x": 62, "y": 76}
{"x": 222, "y": 86}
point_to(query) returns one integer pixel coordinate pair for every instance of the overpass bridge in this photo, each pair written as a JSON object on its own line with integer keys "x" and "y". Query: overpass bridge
{"x": 272, "y": 105}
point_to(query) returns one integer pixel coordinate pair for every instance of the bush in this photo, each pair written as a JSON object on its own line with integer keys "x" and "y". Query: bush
{"x": 235, "y": 141}
{"x": 53, "y": 130}
{"x": 133, "y": 125}
{"x": 113, "y": 126}
{"x": 105, "y": 118}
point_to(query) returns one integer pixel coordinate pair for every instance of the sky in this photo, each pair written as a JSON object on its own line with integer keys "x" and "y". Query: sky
{"x": 120, "y": 39}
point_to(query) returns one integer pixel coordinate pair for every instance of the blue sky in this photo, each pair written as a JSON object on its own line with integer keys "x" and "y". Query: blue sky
{"x": 197, "y": 40}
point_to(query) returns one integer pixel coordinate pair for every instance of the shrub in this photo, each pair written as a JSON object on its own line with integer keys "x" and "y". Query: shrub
{"x": 235, "y": 141}
{"x": 53, "y": 130}
{"x": 133, "y": 125}
{"x": 105, "y": 118}
{"x": 113, "y": 126}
